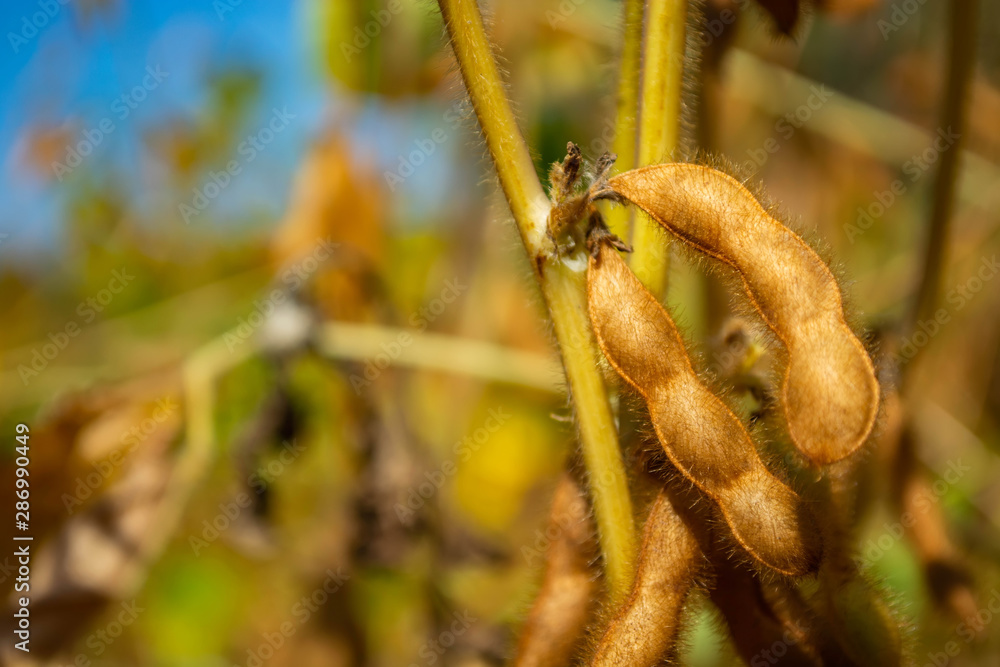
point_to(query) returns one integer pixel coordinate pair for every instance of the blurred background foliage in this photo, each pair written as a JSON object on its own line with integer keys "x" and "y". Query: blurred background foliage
{"x": 328, "y": 210}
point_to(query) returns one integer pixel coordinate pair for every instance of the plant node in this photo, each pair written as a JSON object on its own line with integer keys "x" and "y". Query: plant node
{"x": 571, "y": 209}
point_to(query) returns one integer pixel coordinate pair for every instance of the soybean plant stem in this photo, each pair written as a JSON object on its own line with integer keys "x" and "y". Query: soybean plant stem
{"x": 961, "y": 62}
{"x": 620, "y": 218}
{"x": 562, "y": 281}
{"x": 661, "y": 84}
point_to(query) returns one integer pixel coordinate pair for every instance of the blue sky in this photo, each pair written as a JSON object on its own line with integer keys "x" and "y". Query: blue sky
{"x": 69, "y": 70}
{"x": 75, "y": 70}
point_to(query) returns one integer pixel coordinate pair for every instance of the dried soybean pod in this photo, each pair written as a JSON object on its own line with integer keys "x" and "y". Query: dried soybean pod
{"x": 755, "y": 629}
{"x": 862, "y": 621}
{"x": 562, "y": 607}
{"x": 644, "y": 630}
{"x": 802, "y": 624}
{"x": 702, "y": 438}
{"x": 829, "y": 392}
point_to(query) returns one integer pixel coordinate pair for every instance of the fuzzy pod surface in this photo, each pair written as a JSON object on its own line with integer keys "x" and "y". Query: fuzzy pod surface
{"x": 644, "y": 631}
{"x": 703, "y": 439}
{"x": 829, "y": 392}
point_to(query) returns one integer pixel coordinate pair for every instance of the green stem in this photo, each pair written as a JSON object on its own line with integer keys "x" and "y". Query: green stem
{"x": 511, "y": 158}
{"x": 659, "y": 124}
{"x": 562, "y": 281}
{"x": 619, "y": 218}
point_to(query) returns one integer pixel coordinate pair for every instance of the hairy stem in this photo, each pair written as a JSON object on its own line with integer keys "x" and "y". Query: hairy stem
{"x": 961, "y": 62}
{"x": 659, "y": 123}
{"x": 562, "y": 282}
{"x": 510, "y": 154}
{"x": 564, "y": 288}
{"x": 627, "y": 106}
